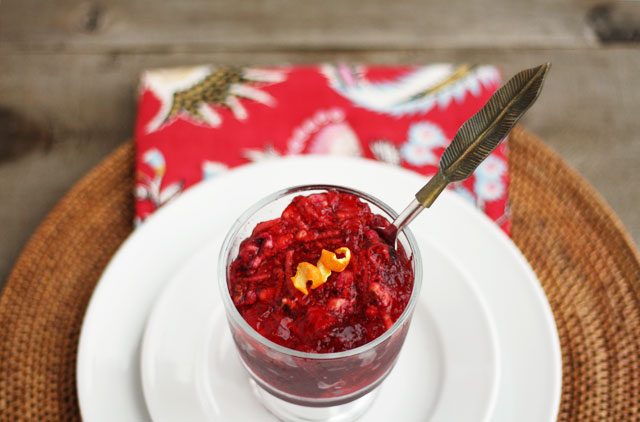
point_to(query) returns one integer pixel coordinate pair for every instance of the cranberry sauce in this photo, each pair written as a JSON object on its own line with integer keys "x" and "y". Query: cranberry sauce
{"x": 352, "y": 307}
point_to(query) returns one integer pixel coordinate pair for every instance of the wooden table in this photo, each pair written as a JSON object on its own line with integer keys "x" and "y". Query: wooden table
{"x": 69, "y": 68}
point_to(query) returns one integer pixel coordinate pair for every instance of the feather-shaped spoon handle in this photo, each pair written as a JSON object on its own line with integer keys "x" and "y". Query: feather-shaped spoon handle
{"x": 475, "y": 140}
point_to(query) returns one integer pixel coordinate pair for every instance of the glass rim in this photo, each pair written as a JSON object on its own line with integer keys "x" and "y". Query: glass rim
{"x": 237, "y": 317}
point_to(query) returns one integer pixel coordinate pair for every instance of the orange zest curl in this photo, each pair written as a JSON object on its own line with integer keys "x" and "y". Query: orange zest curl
{"x": 332, "y": 262}
{"x": 307, "y": 272}
{"x": 318, "y": 274}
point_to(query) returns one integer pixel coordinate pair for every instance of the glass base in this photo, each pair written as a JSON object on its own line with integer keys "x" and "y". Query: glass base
{"x": 289, "y": 412}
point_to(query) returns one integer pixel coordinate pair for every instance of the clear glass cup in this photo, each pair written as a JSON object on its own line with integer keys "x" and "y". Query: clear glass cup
{"x": 299, "y": 386}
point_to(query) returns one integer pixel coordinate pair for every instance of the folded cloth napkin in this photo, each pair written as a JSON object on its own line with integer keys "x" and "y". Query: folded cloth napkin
{"x": 196, "y": 122}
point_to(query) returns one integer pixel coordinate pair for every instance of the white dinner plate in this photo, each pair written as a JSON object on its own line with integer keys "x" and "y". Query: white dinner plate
{"x": 191, "y": 371}
{"x": 108, "y": 371}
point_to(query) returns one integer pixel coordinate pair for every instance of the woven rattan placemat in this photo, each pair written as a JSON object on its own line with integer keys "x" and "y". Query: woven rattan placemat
{"x": 586, "y": 262}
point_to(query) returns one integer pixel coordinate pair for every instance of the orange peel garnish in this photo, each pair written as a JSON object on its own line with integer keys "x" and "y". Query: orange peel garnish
{"x": 306, "y": 272}
{"x": 331, "y": 260}
{"x": 318, "y": 274}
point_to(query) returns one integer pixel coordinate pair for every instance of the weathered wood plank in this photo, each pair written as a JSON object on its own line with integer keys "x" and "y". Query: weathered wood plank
{"x": 86, "y": 103}
{"x": 615, "y": 23}
{"x": 89, "y": 95}
{"x": 31, "y": 185}
{"x": 205, "y": 25}
{"x": 19, "y": 135}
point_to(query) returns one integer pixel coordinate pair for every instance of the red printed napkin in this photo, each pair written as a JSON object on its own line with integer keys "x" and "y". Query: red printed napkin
{"x": 196, "y": 122}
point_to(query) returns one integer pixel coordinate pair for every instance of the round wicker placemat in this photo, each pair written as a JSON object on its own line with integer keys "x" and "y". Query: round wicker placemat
{"x": 586, "y": 262}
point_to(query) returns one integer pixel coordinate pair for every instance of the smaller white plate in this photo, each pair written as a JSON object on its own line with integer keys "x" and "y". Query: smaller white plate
{"x": 191, "y": 371}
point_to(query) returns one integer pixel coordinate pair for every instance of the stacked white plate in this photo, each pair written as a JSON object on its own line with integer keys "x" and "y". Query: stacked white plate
{"x": 155, "y": 345}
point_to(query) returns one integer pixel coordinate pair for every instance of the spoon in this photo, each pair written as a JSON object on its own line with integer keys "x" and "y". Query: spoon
{"x": 475, "y": 140}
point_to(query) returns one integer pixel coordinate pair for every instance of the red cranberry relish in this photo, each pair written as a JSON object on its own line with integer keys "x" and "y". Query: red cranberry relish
{"x": 352, "y": 308}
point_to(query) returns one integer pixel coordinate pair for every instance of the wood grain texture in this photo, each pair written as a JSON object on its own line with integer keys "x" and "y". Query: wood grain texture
{"x": 24, "y": 135}
{"x": 617, "y": 22}
{"x": 199, "y": 25}
{"x": 69, "y": 70}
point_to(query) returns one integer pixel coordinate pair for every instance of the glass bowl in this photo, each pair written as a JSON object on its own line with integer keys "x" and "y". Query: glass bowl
{"x": 296, "y": 385}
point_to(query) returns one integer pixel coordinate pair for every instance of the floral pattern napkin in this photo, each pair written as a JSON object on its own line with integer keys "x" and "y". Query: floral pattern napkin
{"x": 194, "y": 123}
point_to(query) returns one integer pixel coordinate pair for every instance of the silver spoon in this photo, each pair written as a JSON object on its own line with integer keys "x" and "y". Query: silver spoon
{"x": 475, "y": 140}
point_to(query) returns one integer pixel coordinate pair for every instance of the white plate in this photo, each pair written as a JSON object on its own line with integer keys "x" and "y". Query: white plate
{"x": 109, "y": 384}
{"x": 191, "y": 371}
